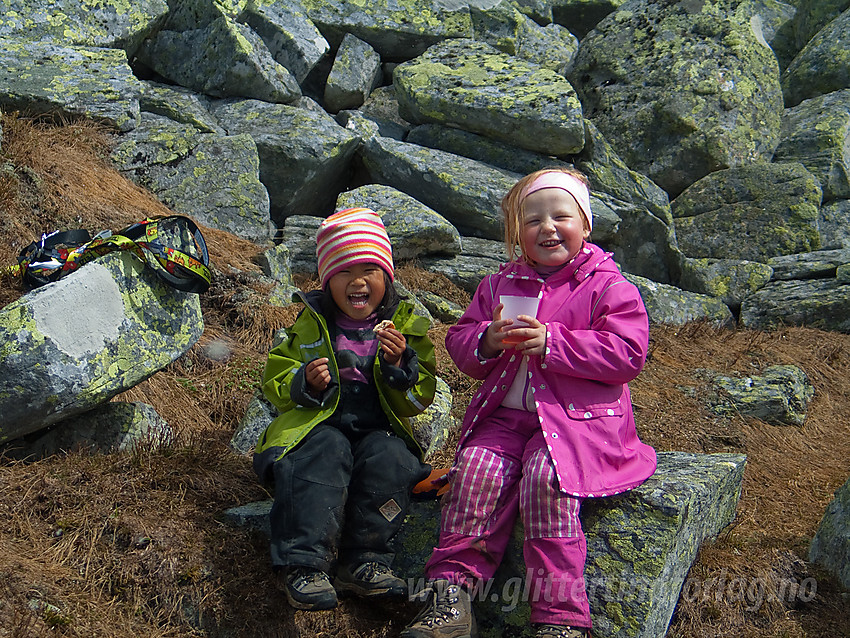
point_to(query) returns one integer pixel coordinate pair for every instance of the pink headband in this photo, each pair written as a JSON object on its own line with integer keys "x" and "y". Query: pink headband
{"x": 573, "y": 185}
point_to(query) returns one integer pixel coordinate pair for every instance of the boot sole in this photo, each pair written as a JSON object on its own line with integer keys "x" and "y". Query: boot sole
{"x": 318, "y": 606}
{"x": 351, "y": 588}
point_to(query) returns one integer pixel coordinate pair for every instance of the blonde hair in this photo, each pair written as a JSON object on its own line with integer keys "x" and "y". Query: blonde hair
{"x": 513, "y": 208}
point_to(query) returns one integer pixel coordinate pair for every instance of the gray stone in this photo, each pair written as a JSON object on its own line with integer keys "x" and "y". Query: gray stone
{"x": 382, "y": 107}
{"x": 305, "y": 155}
{"x": 834, "y": 224}
{"x": 109, "y": 427}
{"x": 440, "y": 308}
{"x": 179, "y": 104}
{"x": 580, "y": 16}
{"x": 257, "y": 417}
{"x": 830, "y": 546}
{"x": 816, "y": 303}
{"x": 51, "y": 369}
{"x": 415, "y": 230}
{"x": 291, "y": 37}
{"x": 465, "y": 271}
{"x": 355, "y": 72}
{"x": 819, "y": 264}
{"x": 299, "y": 236}
{"x": 112, "y": 24}
{"x": 773, "y": 22}
{"x": 223, "y": 59}
{"x": 183, "y": 167}
{"x": 466, "y": 192}
{"x": 780, "y": 395}
{"x": 680, "y": 89}
{"x": 667, "y": 304}
{"x": 729, "y": 280}
{"x": 823, "y": 65}
{"x": 770, "y": 210}
{"x": 816, "y": 133}
{"x": 398, "y": 31}
{"x": 477, "y": 88}
{"x": 188, "y": 15}
{"x": 68, "y": 82}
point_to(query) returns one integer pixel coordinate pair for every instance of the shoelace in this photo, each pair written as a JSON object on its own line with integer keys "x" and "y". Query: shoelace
{"x": 441, "y": 609}
{"x": 558, "y": 631}
{"x": 368, "y": 571}
{"x": 304, "y": 576}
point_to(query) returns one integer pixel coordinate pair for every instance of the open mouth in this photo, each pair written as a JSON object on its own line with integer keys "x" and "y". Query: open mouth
{"x": 358, "y": 300}
{"x": 551, "y": 243}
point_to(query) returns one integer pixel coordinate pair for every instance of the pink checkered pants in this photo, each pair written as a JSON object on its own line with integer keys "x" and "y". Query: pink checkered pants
{"x": 504, "y": 469}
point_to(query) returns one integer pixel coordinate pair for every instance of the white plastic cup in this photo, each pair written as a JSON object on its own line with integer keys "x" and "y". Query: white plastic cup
{"x": 513, "y": 307}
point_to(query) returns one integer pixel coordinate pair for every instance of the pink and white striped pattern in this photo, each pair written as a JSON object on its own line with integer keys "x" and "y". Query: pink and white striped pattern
{"x": 546, "y": 511}
{"x": 352, "y": 236}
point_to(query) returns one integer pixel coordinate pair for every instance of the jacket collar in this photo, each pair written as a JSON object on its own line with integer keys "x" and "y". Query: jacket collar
{"x": 590, "y": 258}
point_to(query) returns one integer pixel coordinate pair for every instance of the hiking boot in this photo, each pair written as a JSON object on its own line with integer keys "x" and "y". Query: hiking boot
{"x": 308, "y": 588}
{"x": 369, "y": 579}
{"x": 447, "y": 614}
{"x": 561, "y": 631}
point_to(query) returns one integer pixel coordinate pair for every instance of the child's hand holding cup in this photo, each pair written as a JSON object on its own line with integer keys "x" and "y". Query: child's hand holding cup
{"x": 512, "y": 307}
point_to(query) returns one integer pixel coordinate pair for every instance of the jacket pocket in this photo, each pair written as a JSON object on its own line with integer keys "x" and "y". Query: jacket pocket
{"x": 578, "y": 411}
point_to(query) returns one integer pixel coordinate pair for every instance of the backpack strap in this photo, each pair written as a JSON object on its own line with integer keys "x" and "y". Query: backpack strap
{"x": 44, "y": 260}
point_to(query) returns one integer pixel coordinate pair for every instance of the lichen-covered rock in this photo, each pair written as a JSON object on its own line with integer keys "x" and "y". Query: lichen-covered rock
{"x": 440, "y": 308}
{"x": 305, "y": 155}
{"x": 415, "y": 230}
{"x": 292, "y": 38}
{"x": 580, "y": 16}
{"x": 834, "y": 224}
{"x": 113, "y": 24}
{"x": 466, "y": 192}
{"x": 816, "y": 133}
{"x": 223, "y": 59}
{"x": 355, "y": 72}
{"x": 465, "y": 271}
{"x": 770, "y": 210}
{"x": 780, "y": 395}
{"x": 820, "y": 264}
{"x": 188, "y": 15}
{"x": 110, "y": 427}
{"x": 823, "y": 65}
{"x": 816, "y": 303}
{"x": 775, "y": 20}
{"x": 52, "y": 369}
{"x": 830, "y": 547}
{"x": 70, "y": 82}
{"x": 382, "y": 106}
{"x": 640, "y": 546}
{"x": 509, "y": 30}
{"x": 680, "y": 89}
{"x": 180, "y": 105}
{"x": 477, "y": 88}
{"x": 729, "y": 280}
{"x": 215, "y": 179}
{"x": 397, "y": 29}
{"x": 299, "y": 236}
{"x": 669, "y": 305}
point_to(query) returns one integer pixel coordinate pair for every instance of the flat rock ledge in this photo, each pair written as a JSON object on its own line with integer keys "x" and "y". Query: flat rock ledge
{"x": 640, "y": 547}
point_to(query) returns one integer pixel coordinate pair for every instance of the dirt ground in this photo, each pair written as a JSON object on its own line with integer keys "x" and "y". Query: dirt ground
{"x": 134, "y": 544}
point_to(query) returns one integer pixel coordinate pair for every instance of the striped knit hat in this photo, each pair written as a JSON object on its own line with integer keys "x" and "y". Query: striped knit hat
{"x": 352, "y": 236}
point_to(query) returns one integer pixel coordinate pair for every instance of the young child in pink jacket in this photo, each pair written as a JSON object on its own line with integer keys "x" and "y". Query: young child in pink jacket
{"x": 552, "y": 423}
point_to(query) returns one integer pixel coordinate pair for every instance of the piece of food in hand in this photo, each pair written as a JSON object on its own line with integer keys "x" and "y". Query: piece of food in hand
{"x": 386, "y": 324}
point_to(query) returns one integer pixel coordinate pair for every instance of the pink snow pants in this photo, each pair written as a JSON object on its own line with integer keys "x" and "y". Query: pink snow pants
{"x": 504, "y": 468}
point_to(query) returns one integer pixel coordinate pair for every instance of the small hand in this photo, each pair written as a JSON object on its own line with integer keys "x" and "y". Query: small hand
{"x": 393, "y": 345}
{"x": 318, "y": 375}
{"x": 491, "y": 343}
{"x": 533, "y": 336}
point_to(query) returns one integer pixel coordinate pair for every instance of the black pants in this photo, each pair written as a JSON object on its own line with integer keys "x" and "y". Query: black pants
{"x": 341, "y": 499}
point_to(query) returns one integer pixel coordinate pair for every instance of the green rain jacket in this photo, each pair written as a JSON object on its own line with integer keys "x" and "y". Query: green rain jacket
{"x": 309, "y": 339}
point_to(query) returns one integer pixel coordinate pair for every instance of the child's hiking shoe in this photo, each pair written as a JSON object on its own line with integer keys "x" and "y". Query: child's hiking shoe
{"x": 308, "y": 588}
{"x": 369, "y": 579}
{"x": 561, "y": 631}
{"x": 447, "y": 614}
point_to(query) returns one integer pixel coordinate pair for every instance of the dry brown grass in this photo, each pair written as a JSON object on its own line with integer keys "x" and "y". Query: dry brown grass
{"x": 133, "y": 544}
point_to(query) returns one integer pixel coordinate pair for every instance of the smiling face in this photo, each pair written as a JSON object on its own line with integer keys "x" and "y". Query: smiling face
{"x": 553, "y": 227}
{"x": 358, "y": 290}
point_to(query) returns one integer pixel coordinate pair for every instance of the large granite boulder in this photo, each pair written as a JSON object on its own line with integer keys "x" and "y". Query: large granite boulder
{"x": 816, "y": 133}
{"x": 770, "y": 210}
{"x": 670, "y": 305}
{"x": 209, "y": 177}
{"x": 830, "y": 547}
{"x": 113, "y": 24}
{"x": 823, "y": 66}
{"x": 816, "y": 303}
{"x": 223, "y": 59}
{"x": 127, "y": 324}
{"x": 355, "y": 72}
{"x": 471, "y": 85}
{"x": 680, "y": 89}
{"x": 730, "y": 280}
{"x": 466, "y": 192}
{"x": 305, "y": 156}
{"x": 45, "y": 78}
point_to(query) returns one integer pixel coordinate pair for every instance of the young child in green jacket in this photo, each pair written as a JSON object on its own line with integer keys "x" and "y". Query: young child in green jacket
{"x": 341, "y": 455}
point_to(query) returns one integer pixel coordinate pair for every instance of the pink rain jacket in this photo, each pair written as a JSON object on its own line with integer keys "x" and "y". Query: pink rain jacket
{"x": 597, "y": 339}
